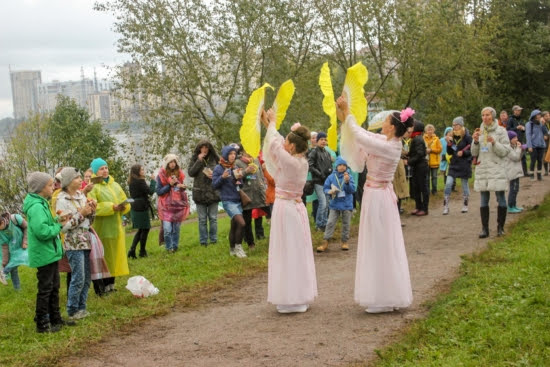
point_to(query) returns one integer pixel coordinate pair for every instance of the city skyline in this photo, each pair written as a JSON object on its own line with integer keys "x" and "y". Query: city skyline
{"x": 57, "y": 37}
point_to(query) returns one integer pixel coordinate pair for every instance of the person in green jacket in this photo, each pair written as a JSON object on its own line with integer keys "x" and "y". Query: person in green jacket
{"x": 45, "y": 250}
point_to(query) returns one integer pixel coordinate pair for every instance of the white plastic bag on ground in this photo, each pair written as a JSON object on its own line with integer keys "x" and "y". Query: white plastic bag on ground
{"x": 141, "y": 287}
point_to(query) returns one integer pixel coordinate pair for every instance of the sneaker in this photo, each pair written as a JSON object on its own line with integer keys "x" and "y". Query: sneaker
{"x": 464, "y": 209}
{"x": 3, "y": 276}
{"x": 232, "y": 252}
{"x": 379, "y": 309}
{"x": 76, "y": 316}
{"x": 239, "y": 251}
{"x": 292, "y": 308}
{"x": 519, "y": 208}
{"x": 513, "y": 210}
{"x": 323, "y": 247}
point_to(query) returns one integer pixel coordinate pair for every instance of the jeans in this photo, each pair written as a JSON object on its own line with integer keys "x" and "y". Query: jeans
{"x": 321, "y": 218}
{"x": 171, "y": 234}
{"x": 486, "y": 195}
{"x": 450, "y": 183}
{"x": 537, "y": 155}
{"x": 433, "y": 174}
{"x": 208, "y": 213}
{"x": 513, "y": 192}
{"x": 331, "y": 223}
{"x": 47, "y": 297}
{"x": 79, "y": 260}
{"x": 14, "y": 274}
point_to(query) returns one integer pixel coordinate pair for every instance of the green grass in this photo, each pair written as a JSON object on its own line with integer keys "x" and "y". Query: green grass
{"x": 496, "y": 314}
{"x": 185, "y": 279}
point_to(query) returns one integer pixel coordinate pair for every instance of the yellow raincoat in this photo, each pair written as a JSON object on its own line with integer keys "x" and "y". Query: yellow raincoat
{"x": 108, "y": 225}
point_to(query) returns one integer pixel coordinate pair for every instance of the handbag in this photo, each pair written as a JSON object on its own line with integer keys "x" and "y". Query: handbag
{"x": 309, "y": 188}
{"x": 245, "y": 199}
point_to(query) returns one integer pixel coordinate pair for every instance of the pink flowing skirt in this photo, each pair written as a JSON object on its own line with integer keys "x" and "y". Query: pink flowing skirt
{"x": 382, "y": 272}
{"x": 291, "y": 268}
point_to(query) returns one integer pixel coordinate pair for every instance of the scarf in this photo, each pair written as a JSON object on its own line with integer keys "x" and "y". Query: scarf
{"x": 225, "y": 164}
{"x": 415, "y": 133}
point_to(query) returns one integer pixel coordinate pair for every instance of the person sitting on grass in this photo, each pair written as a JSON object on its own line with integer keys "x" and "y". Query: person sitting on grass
{"x": 13, "y": 241}
{"x": 341, "y": 187}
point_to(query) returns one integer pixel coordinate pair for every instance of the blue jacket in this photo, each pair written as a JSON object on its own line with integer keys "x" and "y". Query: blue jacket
{"x": 227, "y": 186}
{"x": 337, "y": 179}
{"x": 535, "y": 132}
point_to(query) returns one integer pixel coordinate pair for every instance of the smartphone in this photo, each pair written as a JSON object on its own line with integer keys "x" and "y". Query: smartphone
{"x": 96, "y": 179}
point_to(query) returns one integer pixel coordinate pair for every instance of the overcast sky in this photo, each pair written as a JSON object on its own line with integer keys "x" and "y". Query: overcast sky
{"x": 56, "y": 37}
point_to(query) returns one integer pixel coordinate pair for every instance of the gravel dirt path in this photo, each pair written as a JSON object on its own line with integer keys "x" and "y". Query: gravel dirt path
{"x": 237, "y": 327}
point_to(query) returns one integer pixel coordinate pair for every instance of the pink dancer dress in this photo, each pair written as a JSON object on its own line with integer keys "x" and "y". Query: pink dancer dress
{"x": 382, "y": 272}
{"x": 291, "y": 269}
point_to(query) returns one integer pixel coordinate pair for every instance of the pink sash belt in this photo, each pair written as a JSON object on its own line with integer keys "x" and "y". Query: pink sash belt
{"x": 288, "y": 195}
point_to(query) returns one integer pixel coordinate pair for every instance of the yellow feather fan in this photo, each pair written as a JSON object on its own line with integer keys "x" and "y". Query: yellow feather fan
{"x": 251, "y": 127}
{"x": 356, "y": 78}
{"x": 282, "y": 101}
{"x": 329, "y": 107}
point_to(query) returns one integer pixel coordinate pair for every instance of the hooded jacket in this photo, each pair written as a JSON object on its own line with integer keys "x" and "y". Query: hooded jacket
{"x": 337, "y": 179}
{"x": 417, "y": 148}
{"x": 227, "y": 186}
{"x": 460, "y": 167}
{"x": 203, "y": 192}
{"x": 44, "y": 244}
{"x": 434, "y": 157}
{"x": 535, "y": 132}
{"x": 253, "y": 184}
{"x": 443, "y": 165}
{"x": 491, "y": 172}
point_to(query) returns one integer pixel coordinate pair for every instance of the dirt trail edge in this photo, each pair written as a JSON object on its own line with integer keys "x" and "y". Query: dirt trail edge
{"x": 239, "y": 328}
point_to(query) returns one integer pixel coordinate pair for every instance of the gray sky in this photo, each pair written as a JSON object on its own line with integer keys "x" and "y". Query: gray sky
{"x": 56, "y": 37}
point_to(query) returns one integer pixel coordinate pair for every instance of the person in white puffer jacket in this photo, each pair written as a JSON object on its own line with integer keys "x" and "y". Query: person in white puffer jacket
{"x": 491, "y": 147}
{"x": 515, "y": 171}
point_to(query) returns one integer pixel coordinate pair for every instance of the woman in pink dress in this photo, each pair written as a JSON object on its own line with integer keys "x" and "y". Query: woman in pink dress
{"x": 382, "y": 281}
{"x": 292, "y": 283}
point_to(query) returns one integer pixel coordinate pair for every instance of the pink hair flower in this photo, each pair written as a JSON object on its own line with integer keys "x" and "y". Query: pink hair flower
{"x": 406, "y": 113}
{"x": 295, "y": 126}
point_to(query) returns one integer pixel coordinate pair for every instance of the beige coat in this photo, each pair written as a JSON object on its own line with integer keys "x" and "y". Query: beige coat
{"x": 490, "y": 174}
{"x": 400, "y": 184}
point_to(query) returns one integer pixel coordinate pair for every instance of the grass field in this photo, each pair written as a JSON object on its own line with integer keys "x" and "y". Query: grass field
{"x": 184, "y": 279}
{"x": 496, "y": 314}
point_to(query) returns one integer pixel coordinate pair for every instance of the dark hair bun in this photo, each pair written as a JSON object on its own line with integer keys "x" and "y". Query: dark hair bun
{"x": 303, "y": 132}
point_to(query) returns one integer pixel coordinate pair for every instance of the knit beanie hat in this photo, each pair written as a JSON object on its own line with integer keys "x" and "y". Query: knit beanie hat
{"x": 321, "y": 135}
{"x": 169, "y": 158}
{"x": 459, "y": 120}
{"x": 97, "y": 164}
{"x": 512, "y": 134}
{"x": 37, "y": 180}
{"x": 67, "y": 175}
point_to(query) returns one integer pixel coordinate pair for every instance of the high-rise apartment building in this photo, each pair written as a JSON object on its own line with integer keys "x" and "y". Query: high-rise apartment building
{"x": 24, "y": 91}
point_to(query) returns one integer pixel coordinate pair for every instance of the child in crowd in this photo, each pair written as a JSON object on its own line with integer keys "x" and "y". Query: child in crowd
{"x": 45, "y": 251}
{"x": 341, "y": 187}
{"x": 515, "y": 171}
{"x": 13, "y": 240}
{"x": 433, "y": 149}
{"x": 444, "y": 165}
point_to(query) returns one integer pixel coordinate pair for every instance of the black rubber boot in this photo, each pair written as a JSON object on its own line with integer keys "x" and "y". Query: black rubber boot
{"x": 132, "y": 251}
{"x": 484, "y": 212}
{"x": 501, "y": 219}
{"x": 143, "y": 243}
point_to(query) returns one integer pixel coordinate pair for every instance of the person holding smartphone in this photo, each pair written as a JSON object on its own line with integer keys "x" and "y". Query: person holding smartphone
{"x": 173, "y": 206}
